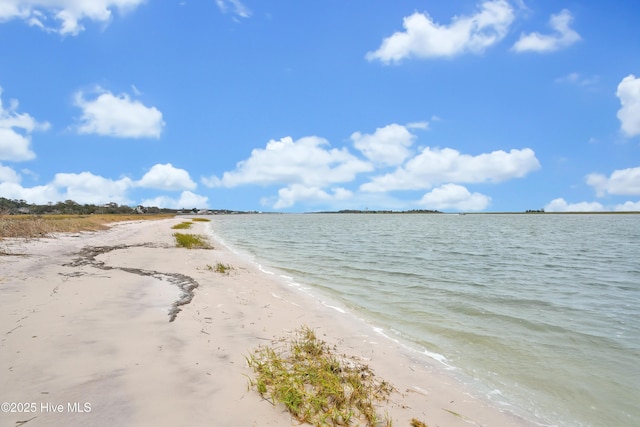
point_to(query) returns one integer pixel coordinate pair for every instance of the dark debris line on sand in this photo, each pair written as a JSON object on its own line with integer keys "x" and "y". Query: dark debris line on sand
{"x": 185, "y": 283}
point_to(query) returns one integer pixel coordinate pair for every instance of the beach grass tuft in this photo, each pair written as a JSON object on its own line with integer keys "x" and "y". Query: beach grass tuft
{"x": 182, "y": 226}
{"x": 316, "y": 385}
{"x": 220, "y": 268}
{"x": 200, "y": 219}
{"x": 191, "y": 241}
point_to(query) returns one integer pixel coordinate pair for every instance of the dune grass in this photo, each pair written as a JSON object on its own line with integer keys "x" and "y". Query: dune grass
{"x": 191, "y": 241}
{"x": 200, "y": 219}
{"x": 316, "y": 385}
{"x": 34, "y": 226}
{"x": 220, "y": 268}
{"x": 182, "y": 226}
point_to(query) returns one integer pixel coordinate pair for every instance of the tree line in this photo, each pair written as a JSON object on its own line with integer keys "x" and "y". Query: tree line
{"x": 70, "y": 207}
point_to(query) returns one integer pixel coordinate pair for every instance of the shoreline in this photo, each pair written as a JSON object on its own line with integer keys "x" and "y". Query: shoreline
{"x": 87, "y": 321}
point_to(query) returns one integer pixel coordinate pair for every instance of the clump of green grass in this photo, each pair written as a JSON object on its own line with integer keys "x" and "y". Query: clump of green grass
{"x": 182, "y": 226}
{"x": 220, "y": 268}
{"x": 315, "y": 385}
{"x": 191, "y": 241}
{"x": 200, "y": 219}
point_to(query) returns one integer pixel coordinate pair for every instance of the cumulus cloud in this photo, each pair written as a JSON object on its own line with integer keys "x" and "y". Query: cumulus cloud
{"x": 187, "y": 200}
{"x": 306, "y": 161}
{"x": 562, "y": 37}
{"x": 388, "y": 145}
{"x": 621, "y": 182}
{"x": 40, "y": 194}
{"x": 7, "y": 174}
{"x": 560, "y": 205}
{"x": 629, "y": 113}
{"x": 235, "y": 6}
{"x": 118, "y": 116}
{"x": 167, "y": 177}
{"x": 67, "y": 15}
{"x": 15, "y": 132}
{"x": 453, "y": 196}
{"x": 423, "y": 38}
{"x": 83, "y": 188}
{"x": 295, "y": 193}
{"x": 86, "y": 187}
{"x": 628, "y": 207}
{"x": 434, "y": 166}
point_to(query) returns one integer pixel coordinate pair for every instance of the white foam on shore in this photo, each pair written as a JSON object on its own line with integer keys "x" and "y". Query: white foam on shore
{"x": 338, "y": 309}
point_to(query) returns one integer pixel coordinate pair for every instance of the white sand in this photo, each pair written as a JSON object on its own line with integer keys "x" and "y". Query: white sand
{"x": 95, "y": 336}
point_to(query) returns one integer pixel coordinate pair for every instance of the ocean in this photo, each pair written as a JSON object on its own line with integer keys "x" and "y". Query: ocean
{"x": 537, "y": 312}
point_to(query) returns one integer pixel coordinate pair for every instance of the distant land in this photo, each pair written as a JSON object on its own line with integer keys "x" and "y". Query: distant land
{"x": 69, "y": 207}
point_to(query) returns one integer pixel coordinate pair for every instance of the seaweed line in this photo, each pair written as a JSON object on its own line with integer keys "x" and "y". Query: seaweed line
{"x": 185, "y": 283}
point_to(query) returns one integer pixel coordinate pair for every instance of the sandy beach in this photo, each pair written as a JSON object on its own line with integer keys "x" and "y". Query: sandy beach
{"x": 121, "y": 328}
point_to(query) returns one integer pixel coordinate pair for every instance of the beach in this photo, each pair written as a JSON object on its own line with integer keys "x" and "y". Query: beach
{"x": 120, "y": 327}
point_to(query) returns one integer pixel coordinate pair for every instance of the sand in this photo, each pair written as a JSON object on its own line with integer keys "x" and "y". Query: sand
{"x": 86, "y": 337}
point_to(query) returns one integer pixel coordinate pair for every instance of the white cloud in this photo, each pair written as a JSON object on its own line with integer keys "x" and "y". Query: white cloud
{"x": 67, "y": 14}
{"x": 621, "y": 182}
{"x": 86, "y": 187}
{"x": 9, "y": 175}
{"x": 286, "y": 161}
{"x": 628, "y": 207}
{"x": 187, "y": 200}
{"x": 15, "y": 132}
{"x": 388, "y": 145}
{"x": 453, "y": 196}
{"x": 563, "y": 37}
{"x": 118, "y": 116}
{"x": 434, "y": 166}
{"x": 237, "y": 6}
{"x": 295, "y": 193}
{"x": 167, "y": 177}
{"x": 577, "y": 79}
{"x": 560, "y": 205}
{"x": 40, "y": 194}
{"x": 83, "y": 188}
{"x": 423, "y": 38}
{"x": 420, "y": 125}
{"x": 629, "y": 114}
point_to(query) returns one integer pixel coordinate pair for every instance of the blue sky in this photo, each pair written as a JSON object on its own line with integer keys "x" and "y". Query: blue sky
{"x": 458, "y": 105}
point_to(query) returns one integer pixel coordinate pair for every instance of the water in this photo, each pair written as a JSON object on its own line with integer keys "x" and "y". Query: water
{"x": 541, "y": 312}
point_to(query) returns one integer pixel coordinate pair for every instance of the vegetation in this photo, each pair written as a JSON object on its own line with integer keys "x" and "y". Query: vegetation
{"x": 220, "y": 268}
{"x": 70, "y": 207}
{"x": 200, "y": 219}
{"x": 182, "y": 226}
{"x": 314, "y": 384}
{"x": 32, "y": 226}
{"x": 191, "y": 241}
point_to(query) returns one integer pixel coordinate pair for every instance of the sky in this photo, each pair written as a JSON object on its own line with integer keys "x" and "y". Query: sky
{"x": 300, "y": 106}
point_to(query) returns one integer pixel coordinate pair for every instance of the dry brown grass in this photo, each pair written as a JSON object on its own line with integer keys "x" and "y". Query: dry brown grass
{"x": 33, "y": 226}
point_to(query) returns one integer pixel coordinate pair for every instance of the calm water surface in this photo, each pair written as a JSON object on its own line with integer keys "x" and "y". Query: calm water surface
{"x": 541, "y": 312}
